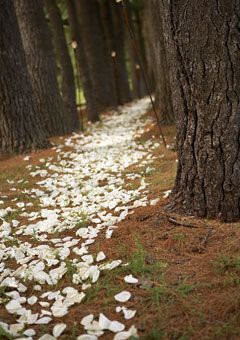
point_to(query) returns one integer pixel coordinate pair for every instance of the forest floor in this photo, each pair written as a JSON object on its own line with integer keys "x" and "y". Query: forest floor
{"x": 85, "y": 221}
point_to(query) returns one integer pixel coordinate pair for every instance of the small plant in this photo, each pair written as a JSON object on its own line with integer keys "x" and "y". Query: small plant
{"x": 185, "y": 289}
{"x": 155, "y": 334}
{"x": 71, "y": 268}
{"x": 11, "y": 241}
{"x": 159, "y": 294}
{"x": 84, "y": 221}
{"x": 225, "y": 263}
{"x": 5, "y": 335}
{"x": 137, "y": 262}
{"x": 179, "y": 237}
{"x": 105, "y": 283}
{"x": 3, "y": 297}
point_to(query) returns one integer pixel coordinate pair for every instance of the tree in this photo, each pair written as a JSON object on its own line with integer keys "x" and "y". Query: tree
{"x": 99, "y": 61}
{"x": 157, "y": 61}
{"x": 203, "y": 40}
{"x": 62, "y": 54}
{"x": 82, "y": 63}
{"x": 136, "y": 50}
{"x": 115, "y": 38}
{"x": 20, "y": 126}
{"x": 41, "y": 64}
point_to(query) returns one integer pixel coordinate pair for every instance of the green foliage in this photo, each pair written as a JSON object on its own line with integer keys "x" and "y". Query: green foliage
{"x": 225, "y": 263}
{"x": 160, "y": 294}
{"x": 5, "y": 335}
{"x": 71, "y": 268}
{"x": 185, "y": 289}
{"x": 139, "y": 266}
{"x": 106, "y": 284}
{"x": 83, "y": 222}
{"x": 155, "y": 334}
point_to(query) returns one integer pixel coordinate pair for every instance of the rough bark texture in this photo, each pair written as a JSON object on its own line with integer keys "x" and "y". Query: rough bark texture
{"x": 115, "y": 38}
{"x": 158, "y": 61}
{"x": 204, "y": 44}
{"x": 82, "y": 63}
{"x": 41, "y": 64}
{"x": 20, "y": 127}
{"x": 62, "y": 54}
{"x": 99, "y": 61}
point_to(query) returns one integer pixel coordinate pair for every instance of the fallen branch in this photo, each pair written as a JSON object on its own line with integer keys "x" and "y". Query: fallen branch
{"x": 181, "y": 223}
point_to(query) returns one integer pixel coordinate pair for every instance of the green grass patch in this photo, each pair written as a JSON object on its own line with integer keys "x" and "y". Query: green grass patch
{"x": 4, "y": 335}
{"x": 225, "y": 264}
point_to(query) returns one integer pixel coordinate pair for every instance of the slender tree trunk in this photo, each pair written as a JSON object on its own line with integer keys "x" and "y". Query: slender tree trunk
{"x": 115, "y": 36}
{"x": 62, "y": 53}
{"x": 148, "y": 31}
{"x": 136, "y": 59}
{"x": 158, "y": 62}
{"x": 82, "y": 62}
{"x": 99, "y": 60}
{"x": 20, "y": 127}
{"x": 203, "y": 41}
{"x": 41, "y": 64}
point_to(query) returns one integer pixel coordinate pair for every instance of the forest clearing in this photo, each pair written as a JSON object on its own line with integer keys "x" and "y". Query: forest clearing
{"x": 119, "y": 169}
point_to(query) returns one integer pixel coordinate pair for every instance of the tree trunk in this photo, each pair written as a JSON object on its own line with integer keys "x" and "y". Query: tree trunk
{"x": 41, "y": 64}
{"x": 156, "y": 46}
{"x": 149, "y": 24}
{"x": 62, "y": 53}
{"x": 136, "y": 59}
{"x": 20, "y": 127}
{"x": 99, "y": 60}
{"x": 82, "y": 63}
{"x": 115, "y": 36}
{"x": 203, "y": 41}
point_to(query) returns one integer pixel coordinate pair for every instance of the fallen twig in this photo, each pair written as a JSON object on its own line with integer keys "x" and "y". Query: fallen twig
{"x": 207, "y": 236}
{"x": 181, "y": 223}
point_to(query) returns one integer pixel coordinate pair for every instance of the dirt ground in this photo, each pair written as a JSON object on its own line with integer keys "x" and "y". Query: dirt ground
{"x": 188, "y": 268}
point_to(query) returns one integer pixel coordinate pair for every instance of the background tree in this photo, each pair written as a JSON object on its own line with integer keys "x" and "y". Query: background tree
{"x": 114, "y": 33}
{"x": 64, "y": 60}
{"x": 99, "y": 61}
{"x": 82, "y": 64}
{"x": 203, "y": 40}
{"x": 20, "y": 126}
{"x": 42, "y": 65}
{"x": 136, "y": 60}
{"x": 157, "y": 61}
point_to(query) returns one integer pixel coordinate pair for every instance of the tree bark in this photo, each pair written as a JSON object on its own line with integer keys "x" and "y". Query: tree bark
{"x": 99, "y": 61}
{"x": 41, "y": 64}
{"x": 20, "y": 125}
{"x": 82, "y": 62}
{"x": 136, "y": 59}
{"x": 115, "y": 36}
{"x": 158, "y": 61}
{"x": 62, "y": 53}
{"x": 203, "y": 40}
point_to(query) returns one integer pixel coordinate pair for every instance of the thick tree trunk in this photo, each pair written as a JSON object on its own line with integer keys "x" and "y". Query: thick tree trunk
{"x": 158, "y": 61}
{"x": 82, "y": 62}
{"x": 115, "y": 36}
{"x": 62, "y": 53}
{"x": 41, "y": 64}
{"x": 203, "y": 41}
{"x": 99, "y": 61}
{"x": 20, "y": 127}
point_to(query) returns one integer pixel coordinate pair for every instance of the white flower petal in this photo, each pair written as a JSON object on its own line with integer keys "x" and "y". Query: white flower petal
{"x": 123, "y": 296}
{"x": 130, "y": 279}
{"x": 58, "y": 329}
{"x": 116, "y": 327}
